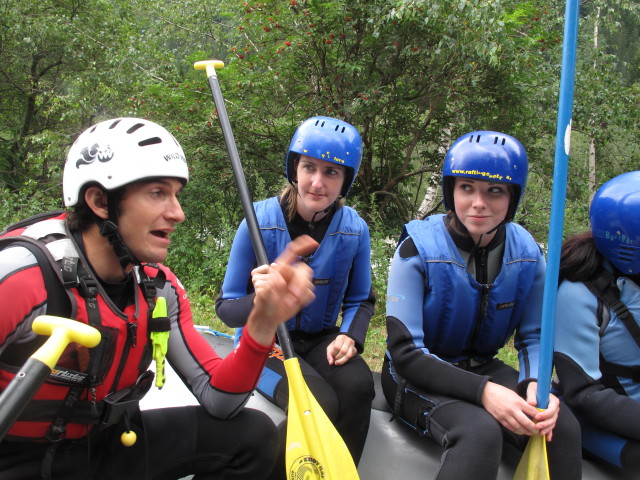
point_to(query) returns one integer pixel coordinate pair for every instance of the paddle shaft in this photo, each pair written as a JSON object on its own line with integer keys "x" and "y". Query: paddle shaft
{"x": 243, "y": 190}
{"x": 558, "y": 199}
{"x": 22, "y": 388}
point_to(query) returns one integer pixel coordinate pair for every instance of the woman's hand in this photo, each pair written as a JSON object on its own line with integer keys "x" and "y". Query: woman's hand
{"x": 341, "y": 350}
{"x": 508, "y": 408}
{"x": 545, "y": 420}
{"x": 281, "y": 290}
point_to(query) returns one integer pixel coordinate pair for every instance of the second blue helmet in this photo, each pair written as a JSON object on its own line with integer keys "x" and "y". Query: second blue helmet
{"x": 615, "y": 221}
{"x": 489, "y": 156}
{"x": 328, "y": 139}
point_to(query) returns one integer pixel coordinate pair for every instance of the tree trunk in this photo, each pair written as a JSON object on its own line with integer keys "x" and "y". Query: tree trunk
{"x": 432, "y": 196}
{"x": 592, "y": 140}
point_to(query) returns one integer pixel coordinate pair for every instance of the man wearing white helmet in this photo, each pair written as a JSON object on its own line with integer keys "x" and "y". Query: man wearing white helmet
{"x": 122, "y": 179}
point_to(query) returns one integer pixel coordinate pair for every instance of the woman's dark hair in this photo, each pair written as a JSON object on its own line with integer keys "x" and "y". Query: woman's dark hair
{"x": 456, "y": 225}
{"x": 580, "y": 260}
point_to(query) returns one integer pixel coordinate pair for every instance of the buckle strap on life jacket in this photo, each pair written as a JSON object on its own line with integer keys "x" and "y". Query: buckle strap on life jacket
{"x": 115, "y": 407}
{"x": 76, "y": 274}
{"x": 625, "y": 371}
{"x": 104, "y": 413}
{"x": 605, "y": 288}
{"x": 150, "y": 285}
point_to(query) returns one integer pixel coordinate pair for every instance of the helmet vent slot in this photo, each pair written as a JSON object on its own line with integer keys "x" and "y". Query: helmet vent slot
{"x": 626, "y": 253}
{"x": 150, "y": 141}
{"x": 113, "y": 125}
{"x": 136, "y": 127}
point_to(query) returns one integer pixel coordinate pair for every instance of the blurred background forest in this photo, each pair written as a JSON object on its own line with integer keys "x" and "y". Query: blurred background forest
{"x": 411, "y": 75}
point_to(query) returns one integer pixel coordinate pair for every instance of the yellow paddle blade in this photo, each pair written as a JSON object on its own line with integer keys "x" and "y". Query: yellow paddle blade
{"x": 315, "y": 449}
{"x": 533, "y": 464}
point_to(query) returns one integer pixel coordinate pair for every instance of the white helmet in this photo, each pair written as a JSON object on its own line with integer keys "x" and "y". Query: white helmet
{"x": 120, "y": 151}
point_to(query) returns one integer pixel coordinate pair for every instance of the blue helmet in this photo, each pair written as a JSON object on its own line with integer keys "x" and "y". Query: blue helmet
{"x": 615, "y": 221}
{"x": 488, "y": 156}
{"x": 327, "y": 139}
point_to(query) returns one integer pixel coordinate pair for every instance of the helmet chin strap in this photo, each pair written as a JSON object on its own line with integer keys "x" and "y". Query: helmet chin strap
{"x": 461, "y": 225}
{"x": 503, "y": 222}
{"x": 326, "y": 210}
{"x": 476, "y": 245}
{"x": 109, "y": 230}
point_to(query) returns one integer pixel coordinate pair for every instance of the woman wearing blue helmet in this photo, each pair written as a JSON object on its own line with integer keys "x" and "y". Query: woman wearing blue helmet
{"x": 321, "y": 165}
{"x": 597, "y": 350}
{"x": 460, "y": 285}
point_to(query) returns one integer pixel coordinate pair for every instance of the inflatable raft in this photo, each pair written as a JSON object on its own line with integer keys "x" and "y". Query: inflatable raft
{"x": 392, "y": 450}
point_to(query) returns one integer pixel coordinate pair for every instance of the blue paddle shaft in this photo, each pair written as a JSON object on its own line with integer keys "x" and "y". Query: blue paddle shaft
{"x": 558, "y": 199}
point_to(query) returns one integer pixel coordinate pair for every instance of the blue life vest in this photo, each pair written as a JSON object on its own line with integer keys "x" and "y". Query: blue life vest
{"x": 331, "y": 263}
{"x": 461, "y": 317}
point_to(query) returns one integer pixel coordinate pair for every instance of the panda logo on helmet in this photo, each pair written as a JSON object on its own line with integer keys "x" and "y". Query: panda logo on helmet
{"x": 93, "y": 153}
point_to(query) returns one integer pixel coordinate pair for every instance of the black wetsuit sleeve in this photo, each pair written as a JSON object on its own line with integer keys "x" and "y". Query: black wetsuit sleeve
{"x": 427, "y": 371}
{"x": 234, "y": 312}
{"x": 406, "y": 338}
{"x": 599, "y": 404}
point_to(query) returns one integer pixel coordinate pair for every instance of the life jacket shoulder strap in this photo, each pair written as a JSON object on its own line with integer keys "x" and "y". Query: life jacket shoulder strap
{"x": 59, "y": 299}
{"x": 605, "y": 288}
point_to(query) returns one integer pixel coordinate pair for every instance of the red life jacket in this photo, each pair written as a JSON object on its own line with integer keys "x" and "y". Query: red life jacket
{"x": 88, "y": 387}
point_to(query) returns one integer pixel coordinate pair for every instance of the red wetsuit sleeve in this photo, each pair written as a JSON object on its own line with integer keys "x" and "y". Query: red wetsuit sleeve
{"x": 241, "y": 369}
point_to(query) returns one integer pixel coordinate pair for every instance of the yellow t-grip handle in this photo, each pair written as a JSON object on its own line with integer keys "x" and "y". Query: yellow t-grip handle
{"x": 28, "y": 380}
{"x": 61, "y": 331}
{"x": 160, "y": 342}
{"x": 209, "y": 65}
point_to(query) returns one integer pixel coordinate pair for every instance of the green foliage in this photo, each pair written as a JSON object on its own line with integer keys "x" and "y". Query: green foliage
{"x": 199, "y": 257}
{"x": 31, "y": 200}
{"x": 410, "y": 75}
{"x": 401, "y": 72}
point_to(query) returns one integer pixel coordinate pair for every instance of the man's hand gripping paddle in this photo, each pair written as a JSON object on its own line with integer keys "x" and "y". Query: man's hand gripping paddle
{"x": 38, "y": 366}
{"x": 315, "y": 449}
{"x": 534, "y": 464}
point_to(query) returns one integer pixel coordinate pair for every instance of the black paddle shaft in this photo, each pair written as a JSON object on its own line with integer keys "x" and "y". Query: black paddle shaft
{"x": 20, "y": 391}
{"x": 245, "y": 197}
